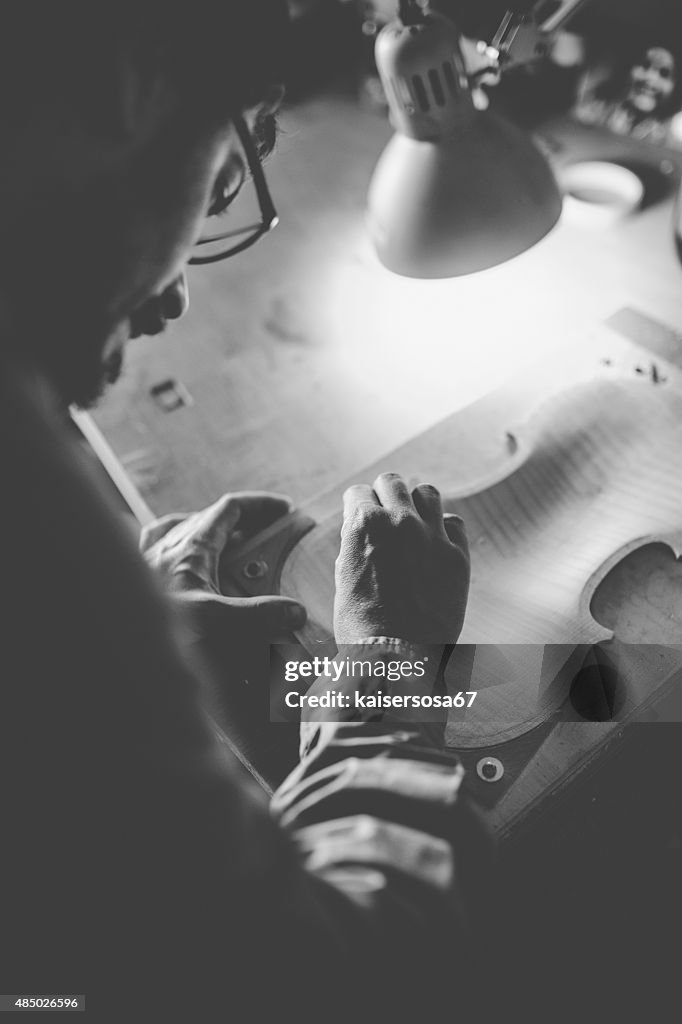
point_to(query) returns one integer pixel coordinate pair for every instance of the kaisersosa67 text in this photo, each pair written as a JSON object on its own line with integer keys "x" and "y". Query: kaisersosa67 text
{"x": 379, "y": 699}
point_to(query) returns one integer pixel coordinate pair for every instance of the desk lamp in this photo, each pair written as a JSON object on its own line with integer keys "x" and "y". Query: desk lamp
{"x": 458, "y": 189}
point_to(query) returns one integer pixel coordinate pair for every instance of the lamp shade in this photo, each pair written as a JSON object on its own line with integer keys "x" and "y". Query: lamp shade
{"x": 457, "y": 189}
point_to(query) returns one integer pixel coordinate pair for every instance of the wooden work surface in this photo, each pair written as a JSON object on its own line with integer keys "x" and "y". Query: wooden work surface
{"x": 305, "y": 360}
{"x": 570, "y": 482}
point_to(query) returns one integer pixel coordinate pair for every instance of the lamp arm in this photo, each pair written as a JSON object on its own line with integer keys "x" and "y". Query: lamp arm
{"x": 524, "y": 36}
{"x": 557, "y": 18}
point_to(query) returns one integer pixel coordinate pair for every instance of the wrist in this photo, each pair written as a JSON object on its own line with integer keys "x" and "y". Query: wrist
{"x": 381, "y": 682}
{"x": 426, "y": 656}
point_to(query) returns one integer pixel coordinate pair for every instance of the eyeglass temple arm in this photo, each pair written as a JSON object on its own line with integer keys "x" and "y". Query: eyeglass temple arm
{"x": 267, "y": 207}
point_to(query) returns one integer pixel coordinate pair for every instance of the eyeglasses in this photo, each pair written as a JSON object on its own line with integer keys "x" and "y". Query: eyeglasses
{"x": 251, "y": 233}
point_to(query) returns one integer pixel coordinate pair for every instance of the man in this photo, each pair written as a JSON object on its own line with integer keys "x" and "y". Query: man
{"x": 139, "y": 865}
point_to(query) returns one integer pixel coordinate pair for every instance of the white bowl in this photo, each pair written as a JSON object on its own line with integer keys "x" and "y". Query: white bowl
{"x": 597, "y": 192}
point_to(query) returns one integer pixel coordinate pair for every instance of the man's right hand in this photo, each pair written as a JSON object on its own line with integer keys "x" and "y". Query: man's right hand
{"x": 185, "y": 551}
{"x": 403, "y": 569}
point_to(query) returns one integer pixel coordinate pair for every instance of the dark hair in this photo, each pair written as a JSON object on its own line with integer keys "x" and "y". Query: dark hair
{"x": 227, "y": 49}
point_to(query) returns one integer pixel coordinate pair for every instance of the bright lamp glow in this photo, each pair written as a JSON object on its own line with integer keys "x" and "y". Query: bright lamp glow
{"x": 457, "y": 189}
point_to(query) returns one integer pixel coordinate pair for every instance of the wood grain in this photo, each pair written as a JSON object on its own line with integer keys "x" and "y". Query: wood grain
{"x": 574, "y": 530}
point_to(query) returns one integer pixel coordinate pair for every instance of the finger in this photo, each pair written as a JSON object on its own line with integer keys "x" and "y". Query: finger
{"x": 215, "y": 523}
{"x": 428, "y": 503}
{"x": 392, "y": 492}
{"x": 456, "y": 531}
{"x": 357, "y": 496}
{"x": 260, "y": 509}
{"x": 154, "y": 531}
{"x": 267, "y": 616}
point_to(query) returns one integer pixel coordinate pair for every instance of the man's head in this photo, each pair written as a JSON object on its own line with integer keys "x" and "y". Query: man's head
{"x": 119, "y": 138}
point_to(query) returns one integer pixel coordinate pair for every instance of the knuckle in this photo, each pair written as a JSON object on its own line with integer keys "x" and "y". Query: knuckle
{"x": 406, "y": 523}
{"x": 353, "y": 491}
{"x": 369, "y": 517}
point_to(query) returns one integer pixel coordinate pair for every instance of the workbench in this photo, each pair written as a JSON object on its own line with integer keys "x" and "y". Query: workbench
{"x": 304, "y": 365}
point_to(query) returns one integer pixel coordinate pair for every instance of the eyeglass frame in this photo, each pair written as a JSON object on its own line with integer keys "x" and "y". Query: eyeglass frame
{"x": 269, "y": 218}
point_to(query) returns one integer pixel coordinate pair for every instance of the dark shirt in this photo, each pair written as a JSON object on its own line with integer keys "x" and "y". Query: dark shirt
{"x": 141, "y": 865}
